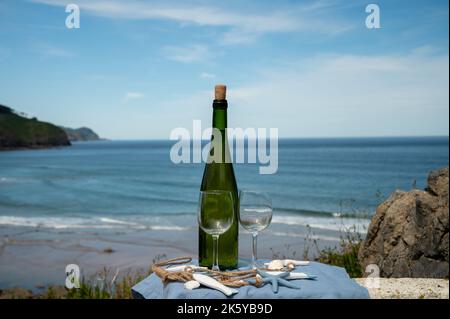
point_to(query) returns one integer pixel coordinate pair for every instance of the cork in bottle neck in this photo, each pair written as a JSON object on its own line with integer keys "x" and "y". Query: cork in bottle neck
{"x": 220, "y": 92}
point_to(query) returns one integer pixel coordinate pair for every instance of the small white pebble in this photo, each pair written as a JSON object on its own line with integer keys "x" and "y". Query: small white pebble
{"x": 295, "y": 262}
{"x": 275, "y": 265}
{"x": 192, "y": 284}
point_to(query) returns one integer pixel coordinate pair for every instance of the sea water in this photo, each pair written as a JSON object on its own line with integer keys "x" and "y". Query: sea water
{"x": 324, "y": 183}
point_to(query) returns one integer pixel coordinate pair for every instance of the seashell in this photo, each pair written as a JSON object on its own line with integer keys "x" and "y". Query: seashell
{"x": 276, "y": 273}
{"x": 298, "y": 275}
{"x": 258, "y": 280}
{"x": 191, "y": 284}
{"x": 214, "y": 284}
{"x": 292, "y": 275}
{"x": 185, "y": 268}
{"x": 275, "y": 265}
{"x": 178, "y": 268}
{"x": 286, "y": 262}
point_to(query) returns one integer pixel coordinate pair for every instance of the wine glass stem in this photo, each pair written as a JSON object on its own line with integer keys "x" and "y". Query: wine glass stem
{"x": 254, "y": 256}
{"x": 215, "y": 252}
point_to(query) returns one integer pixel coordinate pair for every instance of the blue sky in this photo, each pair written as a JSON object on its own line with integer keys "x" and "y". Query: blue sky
{"x": 138, "y": 69}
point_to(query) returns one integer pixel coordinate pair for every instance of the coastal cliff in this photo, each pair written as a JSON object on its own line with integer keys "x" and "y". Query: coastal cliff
{"x": 17, "y": 132}
{"x": 81, "y": 134}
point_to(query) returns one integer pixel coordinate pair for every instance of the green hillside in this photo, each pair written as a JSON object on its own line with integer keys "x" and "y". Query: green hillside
{"x": 80, "y": 134}
{"x": 19, "y": 132}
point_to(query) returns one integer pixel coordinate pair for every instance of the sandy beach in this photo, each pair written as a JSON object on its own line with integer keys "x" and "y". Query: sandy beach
{"x": 33, "y": 257}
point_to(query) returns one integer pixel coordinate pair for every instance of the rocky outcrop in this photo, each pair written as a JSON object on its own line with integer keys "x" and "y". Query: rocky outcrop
{"x": 81, "y": 134}
{"x": 408, "y": 236}
{"x": 18, "y": 131}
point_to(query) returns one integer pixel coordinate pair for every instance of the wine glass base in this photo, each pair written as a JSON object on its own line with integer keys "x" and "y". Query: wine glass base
{"x": 258, "y": 265}
{"x": 246, "y": 265}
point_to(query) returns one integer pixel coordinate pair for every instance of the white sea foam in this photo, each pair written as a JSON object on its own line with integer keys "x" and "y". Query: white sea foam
{"x": 178, "y": 228}
{"x": 6, "y": 179}
{"x": 50, "y": 222}
{"x": 142, "y": 225}
{"x": 83, "y": 223}
{"x": 116, "y": 221}
{"x": 326, "y": 223}
{"x": 175, "y": 223}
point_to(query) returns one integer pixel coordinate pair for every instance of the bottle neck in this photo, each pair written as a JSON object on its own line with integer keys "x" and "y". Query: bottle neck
{"x": 219, "y": 120}
{"x": 219, "y": 146}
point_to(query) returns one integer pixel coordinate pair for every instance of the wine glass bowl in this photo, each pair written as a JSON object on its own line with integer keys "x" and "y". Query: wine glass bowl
{"x": 255, "y": 219}
{"x": 215, "y": 216}
{"x": 255, "y": 215}
{"x": 216, "y": 211}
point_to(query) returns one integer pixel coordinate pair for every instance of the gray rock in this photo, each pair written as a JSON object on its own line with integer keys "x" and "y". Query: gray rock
{"x": 408, "y": 236}
{"x": 438, "y": 182}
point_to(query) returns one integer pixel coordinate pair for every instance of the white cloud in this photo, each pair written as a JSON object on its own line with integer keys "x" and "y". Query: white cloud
{"x": 349, "y": 95}
{"x": 51, "y": 51}
{"x": 133, "y": 96}
{"x": 200, "y": 15}
{"x": 244, "y": 26}
{"x": 206, "y": 75}
{"x": 426, "y": 50}
{"x": 187, "y": 54}
{"x": 334, "y": 95}
{"x": 58, "y": 52}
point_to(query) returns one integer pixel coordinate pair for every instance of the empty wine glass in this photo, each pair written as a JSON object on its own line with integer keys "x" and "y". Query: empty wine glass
{"x": 255, "y": 214}
{"x": 215, "y": 216}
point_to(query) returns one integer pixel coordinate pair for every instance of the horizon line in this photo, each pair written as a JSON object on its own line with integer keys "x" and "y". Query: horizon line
{"x": 288, "y": 137}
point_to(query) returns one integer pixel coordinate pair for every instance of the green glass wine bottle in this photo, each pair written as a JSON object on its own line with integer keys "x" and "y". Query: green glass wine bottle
{"x": 219, "y": 175}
